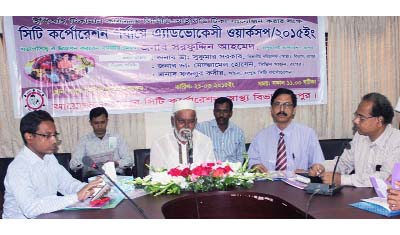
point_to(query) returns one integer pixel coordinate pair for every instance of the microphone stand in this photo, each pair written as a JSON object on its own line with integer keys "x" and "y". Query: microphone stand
{"x": 190, "y": 161}
{"x": 122, "y": 191}
{"x": 325, "y": 189}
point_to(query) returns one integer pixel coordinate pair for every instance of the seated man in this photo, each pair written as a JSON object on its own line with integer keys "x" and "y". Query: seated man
{"x": 374, "y": 149}
{"x": 284, "y": 145}
{"x": 101, "y": 145}
{"x": 227, "y": 138}
{"x": 34, "y": 177}
{"x": 183, "y": 144}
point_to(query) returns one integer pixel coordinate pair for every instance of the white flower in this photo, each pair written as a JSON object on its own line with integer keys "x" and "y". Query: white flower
{"x": 235, "y": 166}
{"x": 161, "y": 177}
{"x": 181, "y": 181}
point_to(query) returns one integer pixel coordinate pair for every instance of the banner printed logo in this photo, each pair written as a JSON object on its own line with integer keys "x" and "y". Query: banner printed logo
{"x": 34, "y": 99}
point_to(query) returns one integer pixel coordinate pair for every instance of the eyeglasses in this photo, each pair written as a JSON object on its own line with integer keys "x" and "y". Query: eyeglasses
{"x": 361, "y": 117}
{"x": 48, "y": 136}
{"x": 284, "y": 105}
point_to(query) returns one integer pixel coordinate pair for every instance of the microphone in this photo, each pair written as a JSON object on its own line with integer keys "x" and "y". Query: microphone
{"x": 188, "y": 134}
{"x": 87, "y": 161}
{"x": 327, "y": 189}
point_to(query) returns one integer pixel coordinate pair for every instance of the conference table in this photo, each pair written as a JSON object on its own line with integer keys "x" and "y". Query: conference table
{"x": 279, "y": 195}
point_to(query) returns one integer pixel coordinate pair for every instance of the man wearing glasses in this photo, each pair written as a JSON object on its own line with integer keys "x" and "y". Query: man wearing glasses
{"x": 374, "y": 149}
{"x": 34, "y": 177}
{"x": 284, "y": 145}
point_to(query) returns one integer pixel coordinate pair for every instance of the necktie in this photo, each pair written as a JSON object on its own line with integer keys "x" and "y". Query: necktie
{"x": 281, "y": 156}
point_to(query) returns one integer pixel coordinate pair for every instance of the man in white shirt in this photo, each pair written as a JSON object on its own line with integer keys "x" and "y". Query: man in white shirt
{"x": 101, "y": 145}
{"x": 34, "y": 177}
{"x": 374, "y": 149}
{"x": 183, "y": 144}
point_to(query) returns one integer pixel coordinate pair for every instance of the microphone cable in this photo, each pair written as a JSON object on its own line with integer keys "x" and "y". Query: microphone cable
{"x": 309, "y": 201}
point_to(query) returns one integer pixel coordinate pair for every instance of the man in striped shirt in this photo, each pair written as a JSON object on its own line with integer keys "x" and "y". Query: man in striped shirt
{"x": 284, "y": 145}
{"x": 228, "y": 139}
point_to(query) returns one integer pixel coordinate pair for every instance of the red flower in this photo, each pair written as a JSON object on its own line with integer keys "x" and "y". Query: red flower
{"x": 201, "y": 171}
{"x": 185, "y": 172}
{"x": 228, "y": 169}
{"x": 174, "y": 172}
{"x": 210, "y": 164}
{"x": 219, "y": 172}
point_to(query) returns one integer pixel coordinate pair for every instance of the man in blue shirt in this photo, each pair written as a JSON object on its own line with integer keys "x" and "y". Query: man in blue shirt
{"x": 284, "y": 145}
{"x": 228, "y": 139}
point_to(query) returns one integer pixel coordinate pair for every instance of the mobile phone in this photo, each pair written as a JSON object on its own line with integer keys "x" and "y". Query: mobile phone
{"x": 101, "y": 192}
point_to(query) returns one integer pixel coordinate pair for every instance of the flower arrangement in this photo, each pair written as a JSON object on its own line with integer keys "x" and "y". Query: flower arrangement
{"x": 198, "y": 178}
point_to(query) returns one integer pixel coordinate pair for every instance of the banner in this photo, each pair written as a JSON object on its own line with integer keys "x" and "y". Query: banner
{"x": 69, "y": 65}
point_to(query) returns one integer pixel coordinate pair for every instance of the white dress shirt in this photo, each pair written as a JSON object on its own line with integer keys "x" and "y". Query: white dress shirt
{"x": 113, "y": 144}
{"x": 364, "y": 156}
{"x": 32, "y": 183}
{"x": 165, "y": 150}
{"x": 302, "y": 147}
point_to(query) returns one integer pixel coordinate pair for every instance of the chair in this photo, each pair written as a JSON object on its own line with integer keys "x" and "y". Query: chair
{"x": 4, "y": 162}
{"x": 142, "y": 157}
{"x": 333, "y": 147}
{"x": 64, "y": 159}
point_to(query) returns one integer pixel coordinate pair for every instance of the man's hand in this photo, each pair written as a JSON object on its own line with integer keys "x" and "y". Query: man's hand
{"x": 88, "y": 189}
{"x": 260, "y": 168}
{"x": 327, "y": 178}
{"x": 394, "y": 198}
{"x": 316, "y": 170}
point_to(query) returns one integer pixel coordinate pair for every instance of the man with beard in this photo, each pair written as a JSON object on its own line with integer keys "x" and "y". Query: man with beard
{"x": 101, "y": 145}
{"x": 374, "y": 149}
{"x": 284, "y": 145}
{"x": 34, "y": 177}
{"x": 227, "y": 138}
{"x": 183, "y": 144}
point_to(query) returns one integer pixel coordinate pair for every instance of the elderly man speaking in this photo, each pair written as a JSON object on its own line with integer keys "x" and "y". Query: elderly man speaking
{"x": 183, "y": 144}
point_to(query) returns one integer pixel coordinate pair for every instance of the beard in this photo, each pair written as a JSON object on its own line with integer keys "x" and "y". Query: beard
{"x": 181, "y": 135}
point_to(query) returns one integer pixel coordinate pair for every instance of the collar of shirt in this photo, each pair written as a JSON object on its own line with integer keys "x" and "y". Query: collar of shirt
{"x": 383, "y": 138}
{"x": 105, "y": 137}
{"x": 285, "y": 131}
{"x": 33, "y": 159}
{"x": 215, "y": 125}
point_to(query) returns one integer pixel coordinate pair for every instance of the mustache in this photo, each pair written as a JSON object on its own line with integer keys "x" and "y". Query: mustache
{"x": 282, "y": 112}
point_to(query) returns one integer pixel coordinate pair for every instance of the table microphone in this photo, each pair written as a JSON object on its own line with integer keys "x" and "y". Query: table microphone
{"x": 87, "y": 161}
{"x": 327, "y": 189}
{"x": 189, "y": 137}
